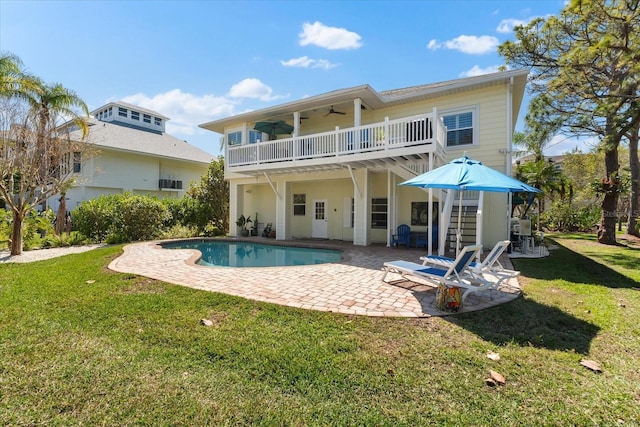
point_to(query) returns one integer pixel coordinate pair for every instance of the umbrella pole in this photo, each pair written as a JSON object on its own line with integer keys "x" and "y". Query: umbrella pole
{"x": 459, "y": 232}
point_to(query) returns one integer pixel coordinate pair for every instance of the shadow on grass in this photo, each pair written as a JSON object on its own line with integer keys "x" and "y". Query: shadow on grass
{"x": 565, "y": 264}
{"x": 529, "y": 324}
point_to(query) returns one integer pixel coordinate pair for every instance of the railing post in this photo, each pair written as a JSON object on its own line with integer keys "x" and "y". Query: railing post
{"x": 386, "y": 133}
{"x": 337, "y": 137}
{"x": 436, "y": 126}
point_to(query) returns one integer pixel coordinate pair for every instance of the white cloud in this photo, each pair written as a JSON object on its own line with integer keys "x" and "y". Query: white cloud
{"x": 254, "y": 89}
{"x": 507, "y": 25}
{"x": 185, "y": 110}
{"x": 478, "y": 71}
{"x": 331, "y": 38}
{"x": 473, "y": 45}
{"x": 306, "y": 62}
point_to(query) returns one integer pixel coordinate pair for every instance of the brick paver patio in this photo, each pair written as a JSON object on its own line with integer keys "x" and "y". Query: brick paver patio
{"x": 353, "y": 286}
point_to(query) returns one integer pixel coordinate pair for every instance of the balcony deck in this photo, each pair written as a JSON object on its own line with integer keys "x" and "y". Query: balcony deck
{"x": 393, "y": 142}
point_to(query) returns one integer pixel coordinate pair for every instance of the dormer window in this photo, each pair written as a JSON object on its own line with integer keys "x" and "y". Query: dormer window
{"x": 157, "y": 121}
{"x": 122, "y": 112}
{"x": 110, "y": 111}
{"x": 146, "y": 118}
{"x": 135, "y": 115}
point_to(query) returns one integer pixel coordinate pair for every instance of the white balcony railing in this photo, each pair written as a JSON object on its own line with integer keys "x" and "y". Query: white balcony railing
{"x": 382, "y": 137}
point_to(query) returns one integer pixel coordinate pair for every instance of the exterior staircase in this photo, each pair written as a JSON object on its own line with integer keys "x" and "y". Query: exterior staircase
{"x": 468, "y": 227}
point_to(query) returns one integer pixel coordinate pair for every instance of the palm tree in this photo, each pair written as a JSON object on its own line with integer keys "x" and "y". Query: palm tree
{"x": 14, "y": 81}
{"x": 51, "y": 102}
{"x": 44, "y": 148}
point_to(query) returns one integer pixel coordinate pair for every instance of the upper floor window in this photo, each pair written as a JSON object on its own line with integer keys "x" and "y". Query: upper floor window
{"x": 460, "y": 128}
{"x": 234, "y": 138}
{"x": 157, "y": 121}
{"x": 77, "y": 161}
{"x": 135, "y": 115}
{"x": 254, "y": 136}
{"x": 146, "y": 118}
{"x": 122, "y": 112}
{"x": 110, "y": 111}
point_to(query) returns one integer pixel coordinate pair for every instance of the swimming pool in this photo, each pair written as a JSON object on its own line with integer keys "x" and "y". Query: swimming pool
{"x": 225, "y": 253}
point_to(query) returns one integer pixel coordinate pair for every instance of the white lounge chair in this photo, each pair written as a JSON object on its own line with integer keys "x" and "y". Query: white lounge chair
{"x": 457, "y": 275}
{"x": 491, "y": 262}
{"x": 490, "y": 269}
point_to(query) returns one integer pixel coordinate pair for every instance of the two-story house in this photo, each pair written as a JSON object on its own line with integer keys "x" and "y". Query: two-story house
{"x": 330, "y": 166}
{"x": 133, "y": 154}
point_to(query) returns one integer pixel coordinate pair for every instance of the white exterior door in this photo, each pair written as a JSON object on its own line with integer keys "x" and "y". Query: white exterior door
{"x": 320, "y": 219}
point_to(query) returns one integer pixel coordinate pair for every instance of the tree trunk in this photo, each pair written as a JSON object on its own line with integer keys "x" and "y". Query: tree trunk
{"x": 61, "y": 217}
{"x": 634, "y": 200}
{"x": 16, "y": 234}
{"x": 607, "y": 229}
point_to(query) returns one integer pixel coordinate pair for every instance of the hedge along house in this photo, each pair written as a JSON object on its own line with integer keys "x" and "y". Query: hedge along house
{"x": 135, "y": 155}
{"x": 336, "y": 175}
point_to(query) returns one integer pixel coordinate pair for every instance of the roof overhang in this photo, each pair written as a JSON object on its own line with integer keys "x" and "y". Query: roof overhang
{"x": 372, "y": 99}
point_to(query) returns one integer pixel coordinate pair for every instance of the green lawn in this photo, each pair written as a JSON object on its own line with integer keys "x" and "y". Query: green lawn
{"x": 125, "y": 350}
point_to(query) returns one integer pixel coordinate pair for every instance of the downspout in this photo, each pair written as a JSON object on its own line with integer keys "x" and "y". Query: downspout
{"x": 509, "y": 125}
{"x": 509, "y": 155}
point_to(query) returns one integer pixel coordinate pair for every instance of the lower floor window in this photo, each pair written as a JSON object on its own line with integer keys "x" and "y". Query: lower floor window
{"x": 300, "y": 204}
{"x": 379, "y": 212}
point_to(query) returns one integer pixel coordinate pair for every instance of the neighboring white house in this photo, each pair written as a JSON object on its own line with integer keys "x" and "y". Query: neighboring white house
{"x": 135, "y": 155}
{"x": 336, "y": 175}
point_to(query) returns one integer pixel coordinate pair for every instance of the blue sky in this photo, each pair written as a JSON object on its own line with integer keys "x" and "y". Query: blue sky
{"x": 204, "y": 60}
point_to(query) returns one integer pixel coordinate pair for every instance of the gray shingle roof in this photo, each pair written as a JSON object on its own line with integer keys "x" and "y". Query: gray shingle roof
{"x": 127, "y": 138}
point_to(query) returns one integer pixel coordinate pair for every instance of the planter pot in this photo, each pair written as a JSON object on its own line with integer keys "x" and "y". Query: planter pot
{"x": 244, "y": 233}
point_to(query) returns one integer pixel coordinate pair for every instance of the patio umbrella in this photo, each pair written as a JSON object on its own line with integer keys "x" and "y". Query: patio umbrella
{"x": 468, "y": 174}
{"x": 274, "y": 128}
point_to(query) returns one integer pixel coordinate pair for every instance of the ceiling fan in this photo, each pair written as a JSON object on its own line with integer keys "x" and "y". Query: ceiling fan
{"x": 332, "y": 111}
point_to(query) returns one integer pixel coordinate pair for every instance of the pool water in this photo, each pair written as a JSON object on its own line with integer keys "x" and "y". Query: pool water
{"x": 248, "y": 254}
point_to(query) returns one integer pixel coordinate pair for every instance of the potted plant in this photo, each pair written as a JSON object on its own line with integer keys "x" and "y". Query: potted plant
{"x": 242, "y": 223}
{"x": 254, "y": 229}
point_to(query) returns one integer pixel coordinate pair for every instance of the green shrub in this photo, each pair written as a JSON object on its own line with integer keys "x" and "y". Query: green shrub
{"x": 64, "y": 240}
{"x": 142, "y": 217}
{"x": 179, "y": 231}
{"x": 563, "y": 216}
{"x": 121, "y": 218}
{"x": 96, "y": 218}
{"x": 189, "y": 212}
{"x": 211, "y": 230}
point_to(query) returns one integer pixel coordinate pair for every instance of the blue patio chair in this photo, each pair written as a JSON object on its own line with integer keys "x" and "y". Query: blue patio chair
{"x": 422, "y": 238}
{"x": 403, "y": 236}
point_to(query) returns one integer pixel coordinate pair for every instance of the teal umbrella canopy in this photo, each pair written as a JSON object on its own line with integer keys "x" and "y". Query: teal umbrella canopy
{"x": 468, "y": 174}
{"x": 274, "y": 128}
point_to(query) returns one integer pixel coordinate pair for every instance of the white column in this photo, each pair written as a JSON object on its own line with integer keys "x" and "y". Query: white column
{"x": 283, "y": 229}
{"x": 361, "y": 235}
{"x": 233, "y": 209}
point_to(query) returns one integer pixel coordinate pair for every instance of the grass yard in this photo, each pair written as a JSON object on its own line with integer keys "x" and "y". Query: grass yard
{"x": 82, "y": 345}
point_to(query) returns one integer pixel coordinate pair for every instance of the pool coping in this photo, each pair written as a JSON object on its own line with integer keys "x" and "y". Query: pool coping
{"x": 353, "y": 286}
{"x": 293, "y": 244}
